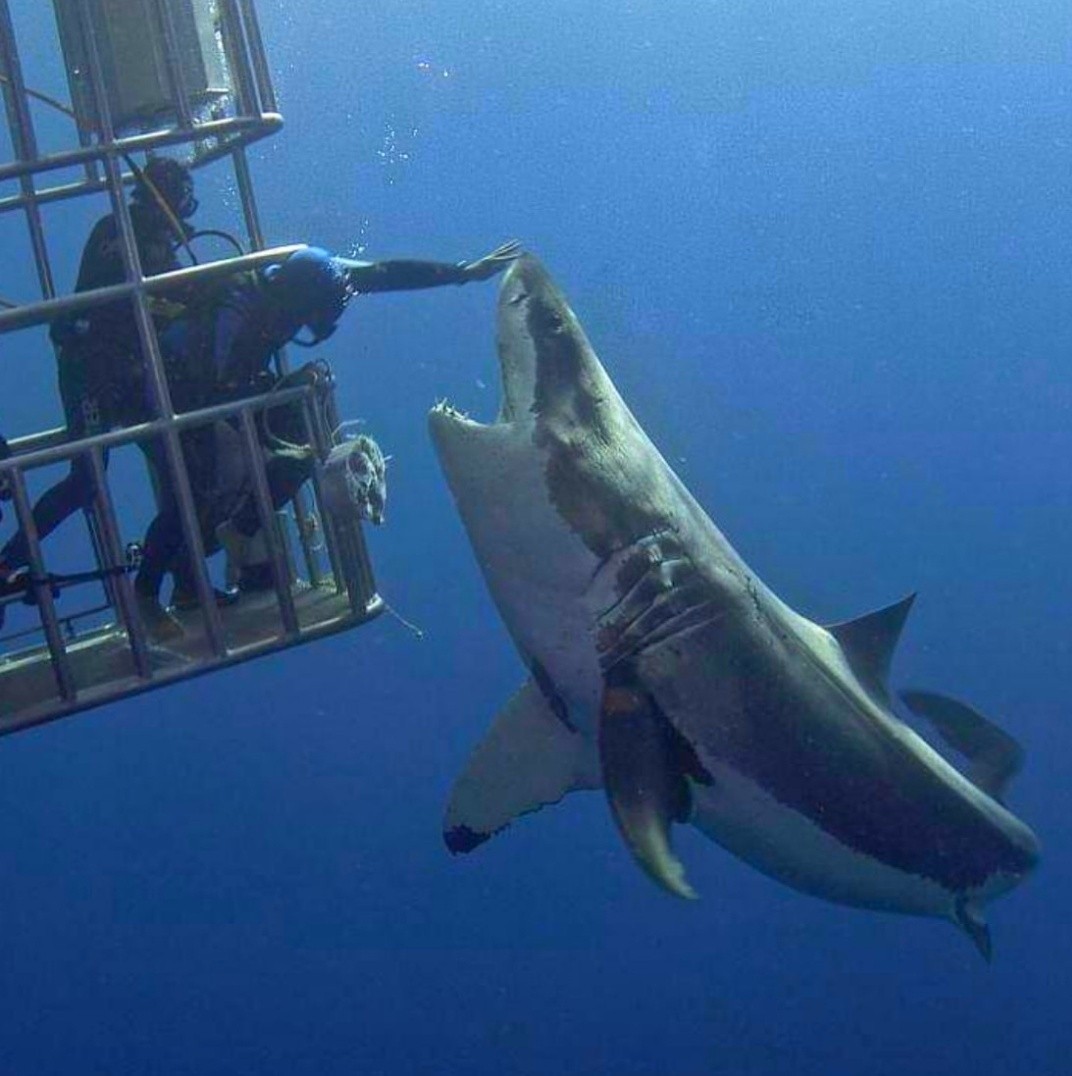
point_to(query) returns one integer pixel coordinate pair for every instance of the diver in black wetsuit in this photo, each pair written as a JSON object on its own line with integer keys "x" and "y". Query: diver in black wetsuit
{"x": 99, "y": 356}
{"x": 225, "y": 352}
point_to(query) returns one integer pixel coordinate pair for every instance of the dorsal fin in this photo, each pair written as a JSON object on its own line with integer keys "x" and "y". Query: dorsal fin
{"x": 994, "y": 757}
{"x": 869, "y": 641}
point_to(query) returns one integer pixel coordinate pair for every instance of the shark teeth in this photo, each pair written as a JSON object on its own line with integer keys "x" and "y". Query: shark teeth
{"x": 445, "y": 407}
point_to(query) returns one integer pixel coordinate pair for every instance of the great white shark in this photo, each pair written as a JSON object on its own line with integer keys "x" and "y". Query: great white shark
{"x": 664, "y": 671}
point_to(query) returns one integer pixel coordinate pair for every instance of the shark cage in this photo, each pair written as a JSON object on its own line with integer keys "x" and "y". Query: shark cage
{"x": 150, "y": 78}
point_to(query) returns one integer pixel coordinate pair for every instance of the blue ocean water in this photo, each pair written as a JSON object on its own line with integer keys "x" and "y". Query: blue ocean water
{"x": 822, "y": 251}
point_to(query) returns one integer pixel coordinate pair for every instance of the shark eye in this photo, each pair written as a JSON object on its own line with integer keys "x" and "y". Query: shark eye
{"x": 519, "y": 298}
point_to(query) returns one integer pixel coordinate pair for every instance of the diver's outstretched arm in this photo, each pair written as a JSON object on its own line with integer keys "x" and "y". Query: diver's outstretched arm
{"x": 405, "y": 275}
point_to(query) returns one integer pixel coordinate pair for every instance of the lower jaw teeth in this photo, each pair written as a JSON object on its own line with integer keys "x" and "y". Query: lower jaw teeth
{"x": 447, "y": 408}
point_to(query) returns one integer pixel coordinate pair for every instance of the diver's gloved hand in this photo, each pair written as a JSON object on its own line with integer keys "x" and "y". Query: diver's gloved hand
{"x": 490, "y": 264}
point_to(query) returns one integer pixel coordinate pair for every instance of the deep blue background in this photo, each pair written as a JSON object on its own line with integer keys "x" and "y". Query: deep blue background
{"x": 823, "y": 250}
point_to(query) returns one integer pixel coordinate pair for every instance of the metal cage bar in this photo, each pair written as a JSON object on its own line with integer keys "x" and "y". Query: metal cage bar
{"x": 113, "y": 550}
{"x": 234, "y": 47}
{"x": 243, "y": 129}
{"x": 29, "y": 314}
{"x": 257, "y": 56}
{"x": 24, "y": 143}
{"x": 61, "y": 667}
{"x": 266, "y": 513}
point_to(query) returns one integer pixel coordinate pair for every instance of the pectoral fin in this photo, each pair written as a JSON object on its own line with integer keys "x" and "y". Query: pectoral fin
{"x": 645, "y": 786}
{"x": 529, "y": 759}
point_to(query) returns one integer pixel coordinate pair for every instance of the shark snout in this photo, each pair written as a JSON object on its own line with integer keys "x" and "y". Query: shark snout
{"x": 529, "y": 295}
{"x": 526, "y": 288}
{"x": 546, "y": 360}
{"x": 526, "y": 274}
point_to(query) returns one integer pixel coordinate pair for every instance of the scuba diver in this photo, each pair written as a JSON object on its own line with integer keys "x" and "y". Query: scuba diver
{"x": 98, "y": 351}
{"x": 224, "y": 351}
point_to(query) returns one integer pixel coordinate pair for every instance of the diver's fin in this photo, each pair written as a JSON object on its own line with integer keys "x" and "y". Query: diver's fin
{"x": 529, "y": 759}
{"x": 969, "y": 917}
{"x": 869, "y": 641}
{"x": 994, "y": 757}
{"x": 644, "y": 784}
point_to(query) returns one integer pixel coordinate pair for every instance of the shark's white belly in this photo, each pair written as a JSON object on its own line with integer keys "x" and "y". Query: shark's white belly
{"x": 537, "y": 569}
{"x": 735, "y": 812}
